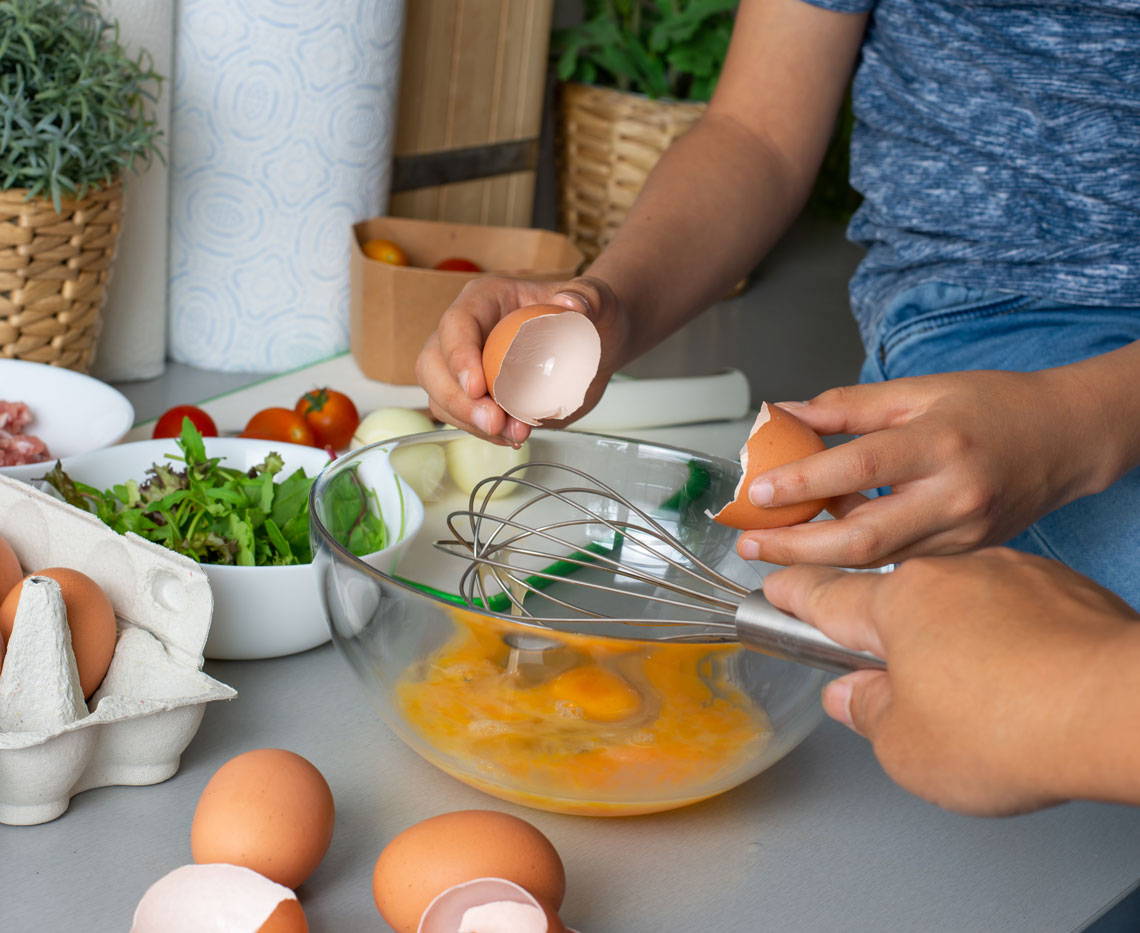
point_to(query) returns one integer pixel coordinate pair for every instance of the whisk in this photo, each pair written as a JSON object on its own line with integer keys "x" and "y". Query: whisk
{"x": 644, "y": 561}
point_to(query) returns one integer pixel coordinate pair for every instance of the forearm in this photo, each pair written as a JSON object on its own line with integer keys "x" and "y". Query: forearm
{"x": 1101, "y": 398}
{"x": 714, "y": 204}
{"x": 725, "y": 192}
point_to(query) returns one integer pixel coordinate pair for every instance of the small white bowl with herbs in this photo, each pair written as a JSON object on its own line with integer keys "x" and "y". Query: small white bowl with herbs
{"x": 240, "y": 507}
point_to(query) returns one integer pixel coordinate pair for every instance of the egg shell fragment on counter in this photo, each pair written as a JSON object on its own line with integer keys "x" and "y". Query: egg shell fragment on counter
{"x": 539, "y": 361}
{"x": 777, "y": 437}
{"x": 152, "y": 698}
{"x": 230, "y": 898}
{"x": 488, "y": 905}
{"x": 447, "y": 850}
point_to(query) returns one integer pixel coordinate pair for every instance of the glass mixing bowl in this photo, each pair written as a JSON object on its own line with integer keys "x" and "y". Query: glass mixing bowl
{"x": 588, "y": 717}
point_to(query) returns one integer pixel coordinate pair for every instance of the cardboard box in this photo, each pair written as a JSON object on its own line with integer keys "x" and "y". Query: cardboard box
{"x": 394, "y": 309}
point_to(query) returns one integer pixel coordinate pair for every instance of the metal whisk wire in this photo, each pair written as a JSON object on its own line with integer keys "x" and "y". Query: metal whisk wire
{"x": 714, "y": 602}
{"x": 490, "y": 553}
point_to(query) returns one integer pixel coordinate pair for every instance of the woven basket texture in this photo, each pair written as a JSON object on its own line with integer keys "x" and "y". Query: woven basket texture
{"x": 54, "y": 268}
{"x": 609, "y": 141}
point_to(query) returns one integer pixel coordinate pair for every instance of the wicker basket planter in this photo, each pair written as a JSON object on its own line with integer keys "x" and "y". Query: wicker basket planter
{"x": 54, "y": 269}
{"x": 608, "y": 143}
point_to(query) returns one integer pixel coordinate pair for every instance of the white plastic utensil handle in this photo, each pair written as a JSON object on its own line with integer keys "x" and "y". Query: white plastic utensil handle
{"x": 654, "y": 403}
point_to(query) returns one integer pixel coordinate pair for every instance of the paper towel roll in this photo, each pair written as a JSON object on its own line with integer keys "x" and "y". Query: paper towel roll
{"x": 283, "y": 125}
{"x": 132, "y": 340}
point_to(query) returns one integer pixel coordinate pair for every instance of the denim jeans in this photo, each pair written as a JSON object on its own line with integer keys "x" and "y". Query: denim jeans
{"x": 937, "y": 328}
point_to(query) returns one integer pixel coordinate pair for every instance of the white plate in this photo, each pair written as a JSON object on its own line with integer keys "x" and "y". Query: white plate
{"x": 72, "y": 413}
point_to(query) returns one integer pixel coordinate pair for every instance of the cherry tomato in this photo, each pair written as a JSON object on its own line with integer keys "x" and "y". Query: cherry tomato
{"x": 330, "y": 415}
{"x": 456, "y": 264}
{"x": 170, "y": 423}
{"x": 279, "y": 424}
{"x": 385, "y": 251}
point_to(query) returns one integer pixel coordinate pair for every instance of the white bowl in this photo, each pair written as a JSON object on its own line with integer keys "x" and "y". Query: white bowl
{"x": 73, "y": 413}
{"x": 259, "y": 612}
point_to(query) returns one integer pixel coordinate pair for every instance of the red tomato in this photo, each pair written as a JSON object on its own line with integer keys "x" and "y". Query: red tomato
{"x": 330, "y": 415}
{"x": 456, "y": 264}
{"x": 279, "y": 424}
{"x": 170, "y": 424}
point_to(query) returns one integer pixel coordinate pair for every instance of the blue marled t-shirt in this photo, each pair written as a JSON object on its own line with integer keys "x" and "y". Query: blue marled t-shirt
{"x": 997, "y": 144}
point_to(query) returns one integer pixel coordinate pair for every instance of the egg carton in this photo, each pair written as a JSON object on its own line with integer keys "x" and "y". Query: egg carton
{"x": 135, "y": 727}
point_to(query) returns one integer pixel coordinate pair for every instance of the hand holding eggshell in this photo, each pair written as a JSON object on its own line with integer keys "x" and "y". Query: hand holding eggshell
{"x": 777, "y": 437}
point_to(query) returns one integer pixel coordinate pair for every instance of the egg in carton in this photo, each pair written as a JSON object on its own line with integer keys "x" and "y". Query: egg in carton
{"x": 134, "y": 728}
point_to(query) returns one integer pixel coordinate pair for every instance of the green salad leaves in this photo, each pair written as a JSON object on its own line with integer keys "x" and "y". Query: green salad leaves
{"x": 221, "y": 515}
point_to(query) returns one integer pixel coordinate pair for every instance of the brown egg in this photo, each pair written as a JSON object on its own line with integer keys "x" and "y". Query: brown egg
{"x": 218, "y": 897}
{"x": 453, "y": 848}
{"x": 269, "y": 810}
{"x": 10, "y": 572}
{"x": 90, "y": 617}
{"x": 777, "y": 437}
{"x": 540, "y": 360}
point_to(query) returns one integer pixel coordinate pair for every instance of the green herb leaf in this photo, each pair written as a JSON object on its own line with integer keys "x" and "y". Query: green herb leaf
{"x": 354, "y": 514}
{"x": 219, "y": 515}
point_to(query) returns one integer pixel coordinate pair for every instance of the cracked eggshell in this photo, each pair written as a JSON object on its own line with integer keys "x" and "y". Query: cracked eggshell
{"x": 489, "y": 905}
{"x": 227, "y": 898}
{"x": 90, "y": 617}
{"x": 453, "y": 848}
{"x": 777, "y": 437}
{"x": 539, "y": 361}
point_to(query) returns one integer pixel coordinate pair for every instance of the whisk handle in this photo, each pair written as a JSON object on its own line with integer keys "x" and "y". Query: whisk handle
{"x": 764, "y": 628}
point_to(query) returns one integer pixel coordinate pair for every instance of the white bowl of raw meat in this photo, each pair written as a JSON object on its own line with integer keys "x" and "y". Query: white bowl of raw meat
{"x": 48, "y": 413}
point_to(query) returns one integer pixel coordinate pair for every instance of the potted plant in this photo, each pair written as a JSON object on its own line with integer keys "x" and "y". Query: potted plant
{"x": 72, "y": 119}
{"x": 636, "y": 75}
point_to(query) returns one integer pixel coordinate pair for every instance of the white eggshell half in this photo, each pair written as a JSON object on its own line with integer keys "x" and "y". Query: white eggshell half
{"x": 548, "y": 367}
{"x": 217, "y": 897}
{"x": 485, "y": 905}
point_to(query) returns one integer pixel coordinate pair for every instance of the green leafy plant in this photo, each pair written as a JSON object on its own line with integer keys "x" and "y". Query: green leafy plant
{"x": 72, "y": 100}
{"x": 660, "y": 48}
{"x": 221, "y": 515}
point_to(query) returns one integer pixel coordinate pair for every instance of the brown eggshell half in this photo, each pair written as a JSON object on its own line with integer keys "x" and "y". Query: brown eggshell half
{"x": 539, "y": 361}
{"x": 453, "y": 848}
{"x": 777, "y": 437}
{"x": 10, "y": 572}
{"x": 446, "y": 912}
{"x": 268, "y": 809}
{"x": 194, "y": 898}
{"x": 90, "y": 618}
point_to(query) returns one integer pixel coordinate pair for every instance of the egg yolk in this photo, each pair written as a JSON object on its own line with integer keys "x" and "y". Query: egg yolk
{"x": 657, "y": 723}
{"x": 600, "y": 695}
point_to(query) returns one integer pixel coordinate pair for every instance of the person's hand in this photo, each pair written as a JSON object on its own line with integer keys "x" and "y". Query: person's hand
{"x": 450, "y": 366}
{"x": 1006, "y": 676}
{"x": 972, "y": 459}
